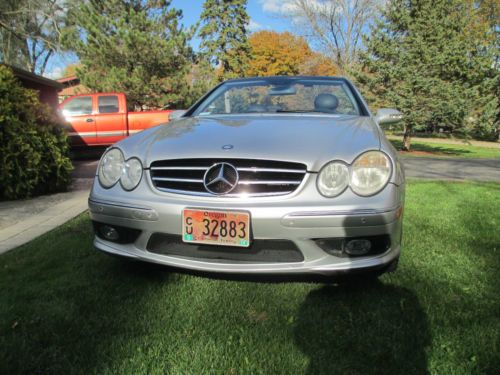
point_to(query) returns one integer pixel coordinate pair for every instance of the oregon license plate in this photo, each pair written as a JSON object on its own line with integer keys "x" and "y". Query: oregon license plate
{"x": 223, "y": 228}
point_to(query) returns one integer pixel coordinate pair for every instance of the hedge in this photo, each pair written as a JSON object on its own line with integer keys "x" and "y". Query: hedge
{"x": 34, "y": 149}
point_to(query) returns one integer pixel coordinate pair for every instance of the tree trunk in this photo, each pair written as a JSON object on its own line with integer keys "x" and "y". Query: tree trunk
{"x": 407, "y": 138}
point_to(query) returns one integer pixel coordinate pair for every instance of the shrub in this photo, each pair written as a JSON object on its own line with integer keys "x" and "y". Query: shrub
{"x": 34, "y": 150}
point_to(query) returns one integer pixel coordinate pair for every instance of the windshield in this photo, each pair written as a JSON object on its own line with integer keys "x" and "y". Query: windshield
{"x": 285, "y": 96}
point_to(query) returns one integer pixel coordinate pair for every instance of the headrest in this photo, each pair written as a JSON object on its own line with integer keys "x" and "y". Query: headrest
{"x": 326, "y": 103}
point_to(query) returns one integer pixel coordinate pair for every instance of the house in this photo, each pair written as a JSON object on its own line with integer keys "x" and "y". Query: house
{"x": 72, "y": 86}
{"x": 47, "y": 88}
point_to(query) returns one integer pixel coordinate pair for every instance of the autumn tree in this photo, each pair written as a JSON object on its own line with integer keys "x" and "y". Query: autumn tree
{"x": 319, "y": 65}
{"x": 132, "y": 46}
{"x": 276, "y": 53}
{"x": 223, "y": 35}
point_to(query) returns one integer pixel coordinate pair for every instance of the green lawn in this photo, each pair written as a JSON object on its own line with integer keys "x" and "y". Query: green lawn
{"x": 65, "y": 308}
{"x": 431, "y": 149}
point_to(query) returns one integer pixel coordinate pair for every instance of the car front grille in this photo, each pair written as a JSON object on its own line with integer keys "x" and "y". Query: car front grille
{"x": 256, "y": 177}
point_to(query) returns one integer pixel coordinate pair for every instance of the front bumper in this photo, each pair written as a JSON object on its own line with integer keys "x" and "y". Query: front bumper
{"x": 284, "y": 220}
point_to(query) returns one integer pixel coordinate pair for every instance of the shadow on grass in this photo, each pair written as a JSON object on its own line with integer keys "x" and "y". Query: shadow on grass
{"x": 364, "y": 326}
{"x": 355, "y": 329}
{"x": 432, "y": 149}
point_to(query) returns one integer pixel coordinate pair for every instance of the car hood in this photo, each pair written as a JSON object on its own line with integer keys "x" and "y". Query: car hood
{"x": 310, "y": 139}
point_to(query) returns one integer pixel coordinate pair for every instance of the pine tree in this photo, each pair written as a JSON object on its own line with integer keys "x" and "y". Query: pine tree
{"x": 428, "y": 59}
{"x": 132, "y": 46}
{"x": 223, "y": 36}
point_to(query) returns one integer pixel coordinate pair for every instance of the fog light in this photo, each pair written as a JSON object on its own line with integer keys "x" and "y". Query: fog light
{"x": 109, "y": 233}
{"x": 115, "y": 233}
{"x": 358, "y": 247}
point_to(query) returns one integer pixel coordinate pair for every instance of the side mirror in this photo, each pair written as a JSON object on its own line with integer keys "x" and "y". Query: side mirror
{"x": 176, "y": 114}
{"x": 388, "y": 116}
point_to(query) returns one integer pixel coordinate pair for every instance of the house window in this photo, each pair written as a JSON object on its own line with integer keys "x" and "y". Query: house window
{"x": 108, "y": 104}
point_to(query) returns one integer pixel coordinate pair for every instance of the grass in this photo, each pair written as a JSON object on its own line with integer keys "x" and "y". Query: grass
{"x": 65, "y": 308}
{"x": 431, "y": 149}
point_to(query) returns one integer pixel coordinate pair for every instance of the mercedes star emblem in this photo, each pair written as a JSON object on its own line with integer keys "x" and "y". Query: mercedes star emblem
{"x": 220, "y": 178}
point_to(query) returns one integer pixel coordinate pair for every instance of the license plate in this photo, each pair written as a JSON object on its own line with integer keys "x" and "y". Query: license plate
{"x": 223, "y": 228}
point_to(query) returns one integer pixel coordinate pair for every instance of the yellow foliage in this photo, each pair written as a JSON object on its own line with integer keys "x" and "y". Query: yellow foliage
{"x": 276, "y": 53}
{"x": 319, "y": 65}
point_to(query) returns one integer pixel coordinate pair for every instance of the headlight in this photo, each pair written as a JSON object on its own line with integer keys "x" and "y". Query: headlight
{"x": 111, "y": 167}
{"x": 370, "y": 172}
{"x": 333, "y": 179}
{"x": 132, "y": 174}
{"x": 114, "y": 168}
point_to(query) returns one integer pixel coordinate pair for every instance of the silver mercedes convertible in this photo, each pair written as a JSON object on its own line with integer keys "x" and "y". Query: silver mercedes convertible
{"x": 271, "y": 176}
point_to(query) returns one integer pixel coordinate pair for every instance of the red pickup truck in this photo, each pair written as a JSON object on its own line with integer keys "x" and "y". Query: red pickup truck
{"x": 103, "y": 119}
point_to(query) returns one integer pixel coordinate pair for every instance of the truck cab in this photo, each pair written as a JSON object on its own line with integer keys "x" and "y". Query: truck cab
{"x": 103, "y": 119}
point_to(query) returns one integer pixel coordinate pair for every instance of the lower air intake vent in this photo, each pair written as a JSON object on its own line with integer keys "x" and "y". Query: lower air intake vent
{"x": 260, "y": 251}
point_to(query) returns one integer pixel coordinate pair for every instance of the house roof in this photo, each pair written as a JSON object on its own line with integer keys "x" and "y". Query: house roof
{"x": 68, "y": 79}
{"x": 28, "y": 76}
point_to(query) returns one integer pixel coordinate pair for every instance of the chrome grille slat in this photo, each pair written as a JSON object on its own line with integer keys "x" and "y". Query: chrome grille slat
{"x": 265, "y": 182}
{"x": 196, "y": 181}
{"x": 179, "y": 168}
{"x": 257, "y": 178}
{"x": 277, "y": 170}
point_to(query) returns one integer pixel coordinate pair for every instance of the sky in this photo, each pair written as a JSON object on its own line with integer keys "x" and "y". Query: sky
{"x": 264, "y": 15}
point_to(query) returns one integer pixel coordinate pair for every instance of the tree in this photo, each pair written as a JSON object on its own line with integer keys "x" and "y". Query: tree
{"x": 276, "y": 53}
{"x": 223, "y": 34}
{"x": 489, "y": 10}
{"x": 488, "y": 126}
{"x": 337, "y": 26}
{"x": 200, "y": 80}
{"x": 132, "y": 46}
{"x": 319, "y": 65}
{"x": 425, "y": 59}
{"x": 30, "y": 32}
{"x": 70, "y": 70}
